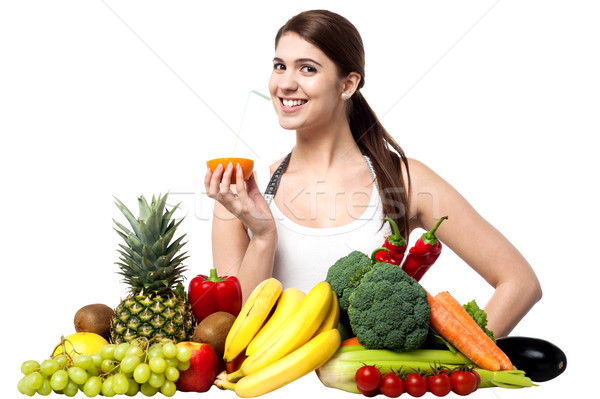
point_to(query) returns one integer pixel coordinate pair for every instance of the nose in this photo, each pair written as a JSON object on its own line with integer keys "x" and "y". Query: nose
{"x": 287, "y": 81}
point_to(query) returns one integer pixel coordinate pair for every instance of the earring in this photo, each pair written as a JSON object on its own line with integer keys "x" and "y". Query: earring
{"x": 345, "y": 96}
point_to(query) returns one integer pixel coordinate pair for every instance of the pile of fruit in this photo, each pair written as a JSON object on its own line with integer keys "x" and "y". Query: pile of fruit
{"x": 363, "y": 329}
{"x": 145, "y": 344}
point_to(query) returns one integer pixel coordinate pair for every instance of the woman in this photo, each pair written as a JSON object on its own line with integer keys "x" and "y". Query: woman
{"x": 343, "y": 176}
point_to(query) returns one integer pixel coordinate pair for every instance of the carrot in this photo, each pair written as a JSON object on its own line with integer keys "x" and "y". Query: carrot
{"x": 459, "y": 313}
{"x": 454, "y": 332}
{"x": 350, "y": 341}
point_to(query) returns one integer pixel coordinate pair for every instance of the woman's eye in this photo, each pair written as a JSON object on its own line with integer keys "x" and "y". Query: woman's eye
{"x": 308, "y": 68}
{"x": 279, "y": 67}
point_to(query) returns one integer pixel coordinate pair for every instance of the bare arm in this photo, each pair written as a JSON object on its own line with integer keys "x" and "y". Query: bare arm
{"x": 234, "y": 252}
{"x": 480, "y": 245}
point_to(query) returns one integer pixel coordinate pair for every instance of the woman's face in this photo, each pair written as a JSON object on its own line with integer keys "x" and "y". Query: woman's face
{"x": 305, "y": 87}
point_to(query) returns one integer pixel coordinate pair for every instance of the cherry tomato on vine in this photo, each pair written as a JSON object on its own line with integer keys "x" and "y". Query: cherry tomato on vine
{"x": 463, "y": 382}
{"x": 391, "y": 386}
{"x": 439, "y": 384}
{"x": 415, "y": 384}
{"x": 368, "y": 378}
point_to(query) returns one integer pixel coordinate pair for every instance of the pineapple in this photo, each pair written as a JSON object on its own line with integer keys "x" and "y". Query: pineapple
{"x": 157, "y": 304}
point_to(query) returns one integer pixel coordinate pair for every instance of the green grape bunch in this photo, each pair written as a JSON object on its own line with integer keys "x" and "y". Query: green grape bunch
{"x": 141, "y": 365}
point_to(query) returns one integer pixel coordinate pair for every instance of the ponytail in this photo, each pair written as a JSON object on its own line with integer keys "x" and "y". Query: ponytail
{"x": 388, "y": 160}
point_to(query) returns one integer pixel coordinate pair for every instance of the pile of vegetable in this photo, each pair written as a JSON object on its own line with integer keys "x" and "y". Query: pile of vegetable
{"x": 400, "y": 338}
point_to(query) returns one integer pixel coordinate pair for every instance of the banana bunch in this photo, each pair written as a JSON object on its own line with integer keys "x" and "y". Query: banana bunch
{"x": 284, "y": 335}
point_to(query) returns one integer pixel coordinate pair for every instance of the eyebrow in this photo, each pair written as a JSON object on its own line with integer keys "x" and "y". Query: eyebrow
{"x": 299, "y": 61}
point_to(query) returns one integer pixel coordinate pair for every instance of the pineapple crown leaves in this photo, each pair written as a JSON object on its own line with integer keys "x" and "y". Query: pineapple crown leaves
{"x": 148, "y": 261}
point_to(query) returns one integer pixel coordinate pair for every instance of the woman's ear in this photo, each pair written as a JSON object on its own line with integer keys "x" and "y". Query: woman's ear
{"x": 350, "y": 83}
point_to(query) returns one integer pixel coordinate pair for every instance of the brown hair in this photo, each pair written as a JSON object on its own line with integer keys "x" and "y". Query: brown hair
{"x": 341, "y": 42}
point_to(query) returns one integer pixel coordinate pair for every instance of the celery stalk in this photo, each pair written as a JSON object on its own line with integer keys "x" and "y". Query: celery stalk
{"x": 350, "y": 348}
{"x": 339, "y": 375}
{"x": 418, "y": 355}
{"x": 504, "y": 379}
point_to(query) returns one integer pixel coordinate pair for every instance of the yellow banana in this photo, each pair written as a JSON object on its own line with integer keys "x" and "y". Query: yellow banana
{"x": 333, "y": 317}
{"x": 298, "y": 363}
{"x": 289, "y": 301}
{"x": 251, "y": 317}
{"x": 298, "y": 330}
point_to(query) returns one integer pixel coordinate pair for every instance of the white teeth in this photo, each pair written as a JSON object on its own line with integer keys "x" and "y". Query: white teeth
{"x": 292, "y": 103}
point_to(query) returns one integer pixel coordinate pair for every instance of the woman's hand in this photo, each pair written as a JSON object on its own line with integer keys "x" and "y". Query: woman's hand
{"x": 234, "y": 252}
{"x": 246, "y": 203}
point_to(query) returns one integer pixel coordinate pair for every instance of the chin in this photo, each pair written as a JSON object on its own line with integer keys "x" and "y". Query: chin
{"x": 288, "y": 124}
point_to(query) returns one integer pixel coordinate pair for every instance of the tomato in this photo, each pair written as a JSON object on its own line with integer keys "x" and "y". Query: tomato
{"x": 415, "y": 384}
{"x": 439, "y": 384}
{"x": 463, "y": 382}
{"x": 368, "y": 378}
{"x": 391, "y": 386}
{"x": 477, "y": 380}
{"x": 369, "y": 394}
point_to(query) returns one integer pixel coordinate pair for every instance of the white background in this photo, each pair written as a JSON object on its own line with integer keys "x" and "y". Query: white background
{"x": 106, "y": 98}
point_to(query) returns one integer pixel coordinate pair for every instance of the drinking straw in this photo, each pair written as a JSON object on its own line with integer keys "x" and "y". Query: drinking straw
{"x": 244, "y": 116}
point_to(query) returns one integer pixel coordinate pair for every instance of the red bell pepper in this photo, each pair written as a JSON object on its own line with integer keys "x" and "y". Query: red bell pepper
{"x": 210, "y": 294}
{"x": 424, "y": 253}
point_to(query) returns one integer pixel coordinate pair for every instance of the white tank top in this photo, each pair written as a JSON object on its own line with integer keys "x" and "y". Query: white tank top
{"x": 304, "y": 254}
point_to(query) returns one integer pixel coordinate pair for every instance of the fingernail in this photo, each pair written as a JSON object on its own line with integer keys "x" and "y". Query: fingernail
{"x": 229, "y": 165}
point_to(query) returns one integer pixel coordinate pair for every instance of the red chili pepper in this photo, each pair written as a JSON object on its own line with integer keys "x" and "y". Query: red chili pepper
{"x": 395, "y": 243}
{"x": 424, "y": 253}
{"x": 382, "y": 254}
{"x": 210, "y": 294}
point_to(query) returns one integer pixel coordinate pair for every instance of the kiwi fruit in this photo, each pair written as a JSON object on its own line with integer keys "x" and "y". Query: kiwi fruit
{"x": 213, "y": 331}
{"x": 95, "y": 318}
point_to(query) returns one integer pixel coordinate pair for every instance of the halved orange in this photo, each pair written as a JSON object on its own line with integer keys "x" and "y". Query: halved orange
{"x": 246, "y": 164}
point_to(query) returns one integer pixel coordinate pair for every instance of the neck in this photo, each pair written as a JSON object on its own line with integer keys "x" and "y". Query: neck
{"x": 323, "y": 148}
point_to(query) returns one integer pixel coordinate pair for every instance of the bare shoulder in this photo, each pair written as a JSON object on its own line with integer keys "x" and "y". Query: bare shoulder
{"x": 430, "y": 195}
{"x": 422, "y": 179}
{"x": 425, "y": 180}
{"x": 419, "y": 172}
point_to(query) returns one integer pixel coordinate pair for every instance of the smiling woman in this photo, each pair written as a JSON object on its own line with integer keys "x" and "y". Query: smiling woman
{"x": 345, "y": 174}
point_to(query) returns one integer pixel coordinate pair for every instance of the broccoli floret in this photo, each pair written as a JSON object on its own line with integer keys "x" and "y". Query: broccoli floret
{"x": 389, "y": 310}
{"x": 345, "y": 275}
